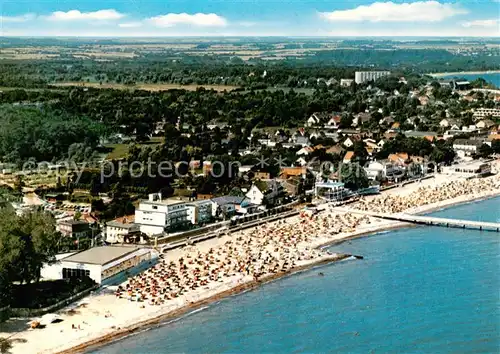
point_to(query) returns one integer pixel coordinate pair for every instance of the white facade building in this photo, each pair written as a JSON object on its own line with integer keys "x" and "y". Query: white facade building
{"x": 380, "y": 170}
{"x": 364, "y": 76}
{"x": 331, "y": 191}
{"x": 466, "y": 147}
{"x": 199, "y": 212}
{"x": 486, "y": 112}
{"x": 117, "y": 231}
{"x": 257, "y": 195}
{"x": 156, "y": 215}
{"x": 98, "y": 263}
{"x": 346, "y": 82}
{"x": 469, "y": 170}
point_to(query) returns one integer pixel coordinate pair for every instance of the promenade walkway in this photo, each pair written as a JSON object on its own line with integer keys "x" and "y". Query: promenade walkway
{"x": 429, "y": 220}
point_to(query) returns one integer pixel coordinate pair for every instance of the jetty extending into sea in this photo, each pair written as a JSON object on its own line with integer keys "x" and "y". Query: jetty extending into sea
{"x": 429, "y": 220}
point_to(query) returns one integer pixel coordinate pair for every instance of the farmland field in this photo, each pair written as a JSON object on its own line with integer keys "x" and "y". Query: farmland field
{"x": 146, "y": 87}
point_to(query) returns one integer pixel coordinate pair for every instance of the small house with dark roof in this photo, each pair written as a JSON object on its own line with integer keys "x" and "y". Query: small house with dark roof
{"x": 265, "y": 192}
{"x": 226, "y": 206}
{"x": 74, "y": 228}
{"x": 291, "y": 185}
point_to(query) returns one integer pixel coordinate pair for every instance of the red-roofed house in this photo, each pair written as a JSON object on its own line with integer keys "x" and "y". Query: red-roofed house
{"x": 399, "y": 158}
{"x": 348, "y": 156}
{"x": 333, "y": 122}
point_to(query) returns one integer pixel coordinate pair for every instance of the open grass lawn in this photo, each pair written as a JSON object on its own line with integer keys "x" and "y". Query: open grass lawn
{"x": 147, "y": 87}
{"x": 119, "y": 151}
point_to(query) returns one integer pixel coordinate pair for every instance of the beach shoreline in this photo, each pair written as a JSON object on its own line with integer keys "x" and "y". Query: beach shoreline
{"x": 102, "y": 341}
{"x": 384, "y": 226}
{"x": 106, "y": 316}
{"x": 396, "y": 225}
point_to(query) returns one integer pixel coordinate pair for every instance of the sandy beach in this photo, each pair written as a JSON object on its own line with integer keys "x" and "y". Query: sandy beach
{"x": 188, "y": 278}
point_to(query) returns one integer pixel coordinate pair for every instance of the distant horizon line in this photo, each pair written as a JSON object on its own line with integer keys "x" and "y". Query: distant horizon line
{"x": 256, "y": 36}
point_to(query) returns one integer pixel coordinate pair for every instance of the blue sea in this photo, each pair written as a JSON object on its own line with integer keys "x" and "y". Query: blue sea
{"x": 493, "y": 78}
{"x": 418, "y": 290}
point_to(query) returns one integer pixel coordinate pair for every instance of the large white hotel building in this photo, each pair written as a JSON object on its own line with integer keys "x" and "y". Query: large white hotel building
{"x": 364, "y": 76}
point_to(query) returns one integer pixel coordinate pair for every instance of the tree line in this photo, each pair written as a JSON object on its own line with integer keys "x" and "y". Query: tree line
{"x": 27, "y": 241}
{"x": 46, "y": 135}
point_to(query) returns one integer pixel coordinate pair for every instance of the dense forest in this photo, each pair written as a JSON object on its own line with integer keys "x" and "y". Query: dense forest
{"x": 46, "y": 135}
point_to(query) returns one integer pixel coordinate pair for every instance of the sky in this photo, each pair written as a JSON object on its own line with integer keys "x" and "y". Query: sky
{"x": 163, "y": 18}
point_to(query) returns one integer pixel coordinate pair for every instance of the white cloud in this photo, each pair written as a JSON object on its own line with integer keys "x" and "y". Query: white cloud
{"x": 21, "y": 18}
{"x": 198, "y": 19}
{"x": 424, "y": 11}
{"x": 75, "y": 15}
{"x": 130, "y": 25}
{"x": 482, "y": 23}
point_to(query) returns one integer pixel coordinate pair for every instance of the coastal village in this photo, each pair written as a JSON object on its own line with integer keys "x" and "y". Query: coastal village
{"x": 456, "y": 135}
{"x": 220, "y": 227}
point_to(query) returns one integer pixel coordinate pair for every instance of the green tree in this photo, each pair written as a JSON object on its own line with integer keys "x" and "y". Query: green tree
{"x": 26, "y": 243}
{"x": 495, "y": 146}
{"x": 442, "y": 153}
{"x": 484, "y": 151}
{"x": 360, "y": 153}
{"x": 19, "y": 184}
{"x": 346, "y": 121}
{"x": 354, "y": 176}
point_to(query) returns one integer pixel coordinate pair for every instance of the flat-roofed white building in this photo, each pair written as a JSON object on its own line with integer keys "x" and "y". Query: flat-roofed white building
{"x": 156, "y": 215}
{"x": 331, "y": 191}
{"x": 100, "y": 264}
{"x": 378, "y": 170}
{"x": 116, "y": 231}
{"x": 199, "y": 212}
{"x": 466, "y": 147}
{"x": 486, "y": 112}
{"x": 365, "y": 76}
{"x": 346, "y": 82}
{"x": 469, "y": 169}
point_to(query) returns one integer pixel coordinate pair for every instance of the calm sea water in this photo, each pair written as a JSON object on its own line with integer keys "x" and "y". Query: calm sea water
{"x": 418, "y": 290}
{"x": 493, "y": 78}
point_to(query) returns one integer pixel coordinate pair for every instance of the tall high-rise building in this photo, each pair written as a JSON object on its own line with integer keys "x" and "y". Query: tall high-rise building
{"x": 364, "y": 76}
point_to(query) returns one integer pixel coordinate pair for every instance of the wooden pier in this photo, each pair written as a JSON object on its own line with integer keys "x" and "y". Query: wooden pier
{"x": 430, "y": 220}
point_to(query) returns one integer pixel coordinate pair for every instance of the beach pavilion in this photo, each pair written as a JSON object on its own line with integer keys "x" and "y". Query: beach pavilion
{"x": 103, "y": 264}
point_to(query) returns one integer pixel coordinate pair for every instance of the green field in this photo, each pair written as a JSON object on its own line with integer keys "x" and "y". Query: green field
{"x": 145, "y": 86}
{"x": 120, "y": 151}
